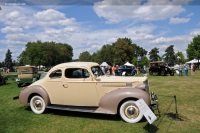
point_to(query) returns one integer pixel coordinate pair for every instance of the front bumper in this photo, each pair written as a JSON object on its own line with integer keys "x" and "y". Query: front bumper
{"x": 154, "y": 103}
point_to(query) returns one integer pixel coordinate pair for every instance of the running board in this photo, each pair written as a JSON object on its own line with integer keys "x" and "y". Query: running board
{"x": 73, "y": 108}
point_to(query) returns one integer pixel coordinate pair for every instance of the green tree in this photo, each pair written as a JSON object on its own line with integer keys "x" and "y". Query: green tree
{"x": 23, "y": 58}
{"x": 169, "y": 55}
{"x": 193, "y": 50}
{"x": 1, "y": 64}
{"x": 96, "y": 57}
{"x": 106, "y": 53}
{"x": 123, "y": 51}
{"x": 85, "y": 56}
{"x": 179, "y": 57}
{"x": 144, "y": 61}
{"x": 45, "y": 53}
{"x": 118, "y": 53}
{"x": 153, "y": 54}
{"x": 8, "y": 60}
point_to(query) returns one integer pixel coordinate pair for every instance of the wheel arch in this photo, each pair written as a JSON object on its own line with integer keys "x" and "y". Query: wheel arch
{"x": 32, "y": 95}
{"x": 31, "y": 91}
{"x": 110, "y": 102}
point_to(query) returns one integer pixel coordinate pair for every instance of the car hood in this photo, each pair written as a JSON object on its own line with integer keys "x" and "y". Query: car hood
{"x": 120, "y": 78}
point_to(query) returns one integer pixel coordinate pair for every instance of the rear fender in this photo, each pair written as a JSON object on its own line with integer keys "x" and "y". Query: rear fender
{"x": 30, "y": 91}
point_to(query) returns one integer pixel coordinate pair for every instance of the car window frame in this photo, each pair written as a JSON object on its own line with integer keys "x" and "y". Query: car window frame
{"x": 56, "y": 77}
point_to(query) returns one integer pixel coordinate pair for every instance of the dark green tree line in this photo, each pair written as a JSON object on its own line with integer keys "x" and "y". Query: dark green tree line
{"x": 153, "y": 54}
{"x": 8, "y": 60}
{"x": 169, "y": 56}
{"x": 45, "y": 53}
{"x": 193, "y": 50}
{"x": 118, "y": 53}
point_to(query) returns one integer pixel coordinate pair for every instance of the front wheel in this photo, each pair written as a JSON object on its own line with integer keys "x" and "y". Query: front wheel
{"x": 37, "y": 104}
{"x": 129, "y": 112}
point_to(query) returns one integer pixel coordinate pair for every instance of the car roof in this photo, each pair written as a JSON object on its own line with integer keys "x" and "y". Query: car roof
{"x": 76, "y": 64}
{"x": 26, "y": 67}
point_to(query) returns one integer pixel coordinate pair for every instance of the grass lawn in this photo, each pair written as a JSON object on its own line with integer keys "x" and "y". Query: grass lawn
{"x": 15, "y": 117}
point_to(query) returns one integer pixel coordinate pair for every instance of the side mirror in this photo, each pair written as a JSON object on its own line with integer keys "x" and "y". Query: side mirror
{"x": 98, "y": 79}
{"x": 96, "y": 73}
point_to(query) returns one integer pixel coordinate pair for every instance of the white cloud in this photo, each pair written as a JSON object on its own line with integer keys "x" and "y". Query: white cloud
{"x": 49, "y": 15}
{"x": 20, "y": 37}
{"x": 178, "y": 20}
{"x": 53, "y": 25}
{"x": 53, "y": 17}
{"x": 195, "y": 32}
{"x": 9, "y": 29}
{"x": 13, "y": 15}
{"x": 115, "y": 13}
{"x": 190, "y": 15}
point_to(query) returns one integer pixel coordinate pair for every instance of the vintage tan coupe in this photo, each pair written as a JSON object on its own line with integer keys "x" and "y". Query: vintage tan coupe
{"x": 82, "y": 86}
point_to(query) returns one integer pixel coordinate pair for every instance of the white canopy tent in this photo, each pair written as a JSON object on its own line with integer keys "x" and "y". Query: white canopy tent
{"x": 128, "y": 64}
{"x": 192, "y": 61}
{"x": 104, "y": 64}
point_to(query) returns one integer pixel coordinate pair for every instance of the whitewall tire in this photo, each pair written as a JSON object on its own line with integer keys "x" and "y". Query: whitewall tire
{"x": 129, "y": 112}
{"x": 37, "y": 104}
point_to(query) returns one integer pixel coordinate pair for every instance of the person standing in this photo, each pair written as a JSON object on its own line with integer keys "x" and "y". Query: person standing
{"x": 193, "y": 69}
{"x": 113, "y": 70}
{"x": 181, "y": 69}
{"x": 116, "y": 67}
{"x": 186, "y": 69}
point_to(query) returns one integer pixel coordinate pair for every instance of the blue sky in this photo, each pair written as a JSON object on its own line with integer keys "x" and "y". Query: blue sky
{"x": 86, "y": 27}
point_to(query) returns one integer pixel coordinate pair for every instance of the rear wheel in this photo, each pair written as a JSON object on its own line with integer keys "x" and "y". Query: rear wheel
{"x": 19, "y": 84}
{"x": 162, "y": 73}
{"x": 129, "y": 112}
{"x": 37, "y": 104}
{"x": 172, "y": 73}
{"x": 150, "y": 72}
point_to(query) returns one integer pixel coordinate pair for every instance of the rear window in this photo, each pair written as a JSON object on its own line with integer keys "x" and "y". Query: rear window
{"x": 76, "y": 73}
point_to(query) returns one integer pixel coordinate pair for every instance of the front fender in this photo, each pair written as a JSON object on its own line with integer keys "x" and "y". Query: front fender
{"x": 30, "y": 90}
{"x": 110, "y": 101}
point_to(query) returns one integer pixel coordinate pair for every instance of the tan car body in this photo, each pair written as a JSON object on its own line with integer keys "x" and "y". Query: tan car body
{"x": 105, "y": 92}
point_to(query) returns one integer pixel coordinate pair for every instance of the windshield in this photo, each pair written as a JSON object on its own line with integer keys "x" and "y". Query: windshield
{"x": 96, "y": 70}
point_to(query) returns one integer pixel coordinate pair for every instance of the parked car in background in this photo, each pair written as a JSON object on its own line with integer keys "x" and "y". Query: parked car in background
{"x": 175, "y": 67}
{"x": 82, "y": 86}
{"x": 3, "y": 78}
{"x": 26, "y": 75}
{"x": 125, "y": 71}
{"x": 160, "y": 68}
{"x": 42, "y": 75}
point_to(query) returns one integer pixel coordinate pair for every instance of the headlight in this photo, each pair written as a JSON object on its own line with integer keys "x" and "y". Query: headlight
{"x": 141, "y": 86}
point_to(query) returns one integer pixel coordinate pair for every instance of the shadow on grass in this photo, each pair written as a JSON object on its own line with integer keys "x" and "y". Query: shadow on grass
{"x": 98, "y": 116}
{"x": 80, "y": 114}
{"x": 175, "y": 116}
{"x": 1, "y": 84}
{"x": 150, "y": 128}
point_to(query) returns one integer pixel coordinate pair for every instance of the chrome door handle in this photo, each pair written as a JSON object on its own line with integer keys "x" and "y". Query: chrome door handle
{"x": 65, "y": 85}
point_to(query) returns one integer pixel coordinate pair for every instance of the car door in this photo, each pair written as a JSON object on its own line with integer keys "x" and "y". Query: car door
{"x": 79, "y": 88}
{"x": 54, "y": 86}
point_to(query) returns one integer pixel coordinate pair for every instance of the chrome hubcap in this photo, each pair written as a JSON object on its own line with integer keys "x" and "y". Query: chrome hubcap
{"x": 131, "y": 111}
{"x": 38, "y": 104}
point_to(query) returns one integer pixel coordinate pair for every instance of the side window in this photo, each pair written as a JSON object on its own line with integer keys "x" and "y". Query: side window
{"x": 76, "y": 73}
{"x": 56, "y": 74}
